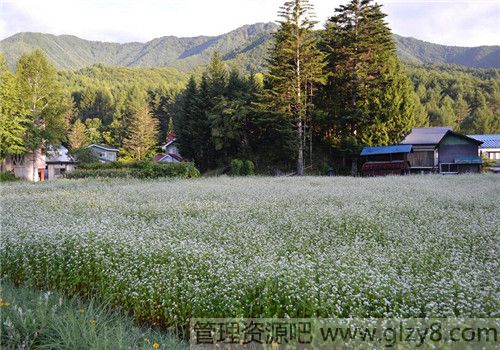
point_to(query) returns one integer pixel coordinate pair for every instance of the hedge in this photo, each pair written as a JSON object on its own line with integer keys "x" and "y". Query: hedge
{"x": 140, "y": 170}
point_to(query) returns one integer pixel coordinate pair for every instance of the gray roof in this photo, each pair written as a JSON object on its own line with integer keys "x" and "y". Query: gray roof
{"x": 59, "y": 155}
{"x": 426, "y": 136}
{"x": 104, "y": 147}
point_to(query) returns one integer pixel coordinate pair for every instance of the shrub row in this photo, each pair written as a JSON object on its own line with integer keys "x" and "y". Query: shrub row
{"x": 141, "y": 170}
{"x": 242, "y": 167}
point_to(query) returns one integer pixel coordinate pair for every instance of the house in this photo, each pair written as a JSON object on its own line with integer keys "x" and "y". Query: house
{"x": 58, "y": 163}
{"x": 490, "y": 147}
{"x": 171, "y": 151}
{"x": 386, "y": 160}
{"x": 442, "y": 150}
{"x": 168, "y": 158}
{"x": 105, "y": 154}
{"x": 171, "y": 146}
{"x": 22, "y": 165}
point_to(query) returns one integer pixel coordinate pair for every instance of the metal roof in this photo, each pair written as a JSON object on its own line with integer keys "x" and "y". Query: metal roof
{"x": 489, "y": 141}
{"x": 104, "y": 147}
{"x": 426, "y": 136}
{"x": 370, "y": 151}
{"x": 59, "y": 155}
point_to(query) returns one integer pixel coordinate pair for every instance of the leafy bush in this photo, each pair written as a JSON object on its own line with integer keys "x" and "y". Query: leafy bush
{"x": 6, "y": 176}
{"x": 83, "y": 155}
{"x": 236, "y": 166}
{"x": 140, "y": 170}
{"x": 248, "y": 168}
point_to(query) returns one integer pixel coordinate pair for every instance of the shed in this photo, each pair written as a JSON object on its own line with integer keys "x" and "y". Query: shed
{"x": 386, "y": 160}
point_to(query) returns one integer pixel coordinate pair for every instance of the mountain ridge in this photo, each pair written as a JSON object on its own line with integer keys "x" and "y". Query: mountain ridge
{"x": 243, "y": 48}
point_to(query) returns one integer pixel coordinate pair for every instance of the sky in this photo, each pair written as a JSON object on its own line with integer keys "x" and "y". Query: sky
{"x": 460, "y": 23}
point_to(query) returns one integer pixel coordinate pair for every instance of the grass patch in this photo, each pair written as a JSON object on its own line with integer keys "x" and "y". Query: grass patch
{"x": 32, "y": 319}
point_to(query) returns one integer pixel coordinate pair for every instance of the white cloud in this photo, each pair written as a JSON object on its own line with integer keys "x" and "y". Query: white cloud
{"x": 447, "y": 22}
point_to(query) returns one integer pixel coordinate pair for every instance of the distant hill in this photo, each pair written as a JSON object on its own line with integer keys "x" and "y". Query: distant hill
{"x": 418, "y": 51}
{"x": 244, "y": 47}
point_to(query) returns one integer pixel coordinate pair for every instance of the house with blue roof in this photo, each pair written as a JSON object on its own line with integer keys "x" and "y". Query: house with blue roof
{"x": 427, "y": 150}
{"x": 490, "y": 147}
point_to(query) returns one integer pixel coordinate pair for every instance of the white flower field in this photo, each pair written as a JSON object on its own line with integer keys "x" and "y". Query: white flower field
{"x": 167, "y": 251}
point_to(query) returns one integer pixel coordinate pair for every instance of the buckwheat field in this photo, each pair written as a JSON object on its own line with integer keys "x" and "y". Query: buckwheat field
{"x": 167, "y": 251}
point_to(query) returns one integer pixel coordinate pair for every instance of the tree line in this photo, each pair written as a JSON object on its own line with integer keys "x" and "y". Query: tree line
{"x": 324, "y": 95}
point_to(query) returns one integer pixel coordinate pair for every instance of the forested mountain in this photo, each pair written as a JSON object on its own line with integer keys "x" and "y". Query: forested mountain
{"x": 418, "y": 51}
{"x": 244, "y": 48}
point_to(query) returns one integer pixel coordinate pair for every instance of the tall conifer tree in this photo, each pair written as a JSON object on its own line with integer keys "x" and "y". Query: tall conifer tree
{"x": 369, "y": 99}
{"x": 295, "y": 69}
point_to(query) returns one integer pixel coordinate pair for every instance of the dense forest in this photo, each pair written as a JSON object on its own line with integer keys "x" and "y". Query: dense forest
{"x": 350, "y": 91}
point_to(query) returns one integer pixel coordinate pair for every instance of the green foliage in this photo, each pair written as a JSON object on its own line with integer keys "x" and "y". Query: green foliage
{"x": 248, "y": 168}
{"x": 368, "y": 100}
{"x": 78, "y": 137}
{"x": 466, "y": 99}
{"x": 48, "y": 320}
{"x": 217, "y": 119}
{"x": 240, "y": 167}
{"x": 44, "y": 102}
{"x": 83, "y": 155}
{"x": 244, "y": 48}
{"x": 296, "y": 67}
{"x": 7, "y": 176}
{"x": 417, "y": 51}
{"x": 236, "y": 166}
{"x": 141, "y": 170}
{"x": 13, "y": 121}
{"x": 142, "y": 135}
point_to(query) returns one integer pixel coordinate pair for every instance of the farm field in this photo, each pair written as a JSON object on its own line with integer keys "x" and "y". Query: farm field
{"x": 166, "y": 251}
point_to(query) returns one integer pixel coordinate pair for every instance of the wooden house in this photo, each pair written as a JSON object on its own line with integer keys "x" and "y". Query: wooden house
{"x": 386, "y": 160}
{"x": 171, "y": 151}
{"x": 443, "y": 151}
{"x": 104, "y": 154}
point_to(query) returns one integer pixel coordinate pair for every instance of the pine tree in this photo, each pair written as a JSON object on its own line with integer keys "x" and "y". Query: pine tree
{"x": 13, "y": 123}
{"x": 369, "y": 99}
{"x": 446, "y": 114}
{"x": 462, "y": 110}
{"x": 185, "y": 120}
{"x": 44, "y": 102}
{"x": 295, "y": 69}
{"x": 142, "y": 135}
{"x": 484, "y": 122}
{"x": 77, "y": 136}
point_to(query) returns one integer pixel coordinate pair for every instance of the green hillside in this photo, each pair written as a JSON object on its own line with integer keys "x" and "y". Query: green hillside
{"x": 244, "y": 48}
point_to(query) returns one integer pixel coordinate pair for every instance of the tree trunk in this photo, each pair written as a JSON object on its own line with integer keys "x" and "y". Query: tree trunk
{"x": 300, "y": 157}
{"x": 35, "y": 168}
{"x": 298, "y": 109}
